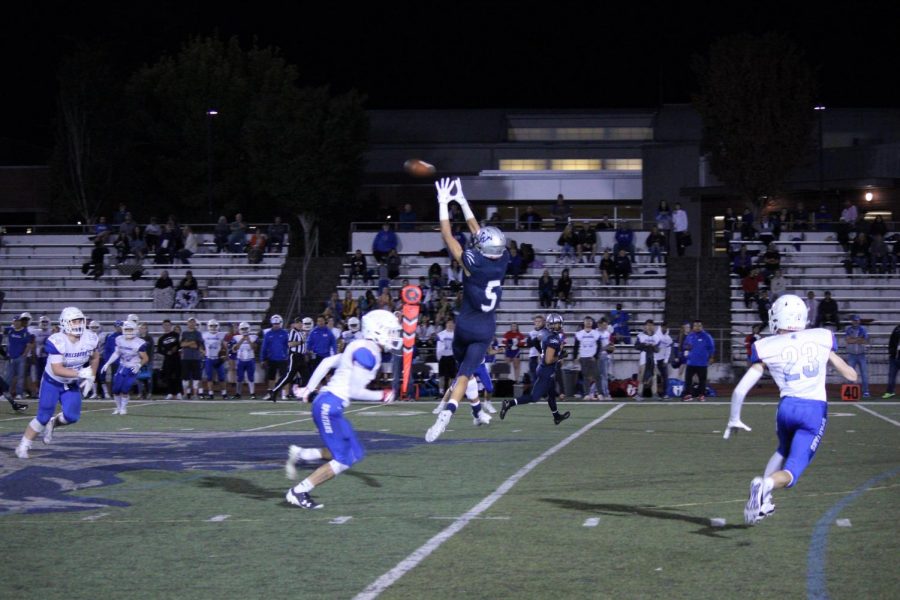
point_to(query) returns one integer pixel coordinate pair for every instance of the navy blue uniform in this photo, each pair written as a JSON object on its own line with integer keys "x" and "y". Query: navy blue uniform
{"x": 482, "y": 291}
{"x": 545, "y": 382}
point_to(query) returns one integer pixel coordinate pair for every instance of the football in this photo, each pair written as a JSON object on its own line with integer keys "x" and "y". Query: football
{"x": 418, "y": 168}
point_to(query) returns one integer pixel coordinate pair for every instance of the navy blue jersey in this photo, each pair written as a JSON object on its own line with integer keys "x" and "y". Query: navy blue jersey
{"x": 551, "y": 340}
{"x": 482, "y": 291}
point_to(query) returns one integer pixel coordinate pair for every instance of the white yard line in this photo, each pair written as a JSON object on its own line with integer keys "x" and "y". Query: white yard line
{"x": 413, "y": 560}
{"x": 309, "y": 418}
{"x": 880, "y": 416}
{"x": 29, "y": 417}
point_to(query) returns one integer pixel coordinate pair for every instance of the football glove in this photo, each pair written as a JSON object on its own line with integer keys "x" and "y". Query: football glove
{"x": 86, "y": 373}
{"x": 459, "y": 196}
{"x": 136, "y": 369}
{"x": 443, "y": 191}
{"x": 86, "y": 386}
{"x": 302, "y": 394}
{"x": 736, "y": 426}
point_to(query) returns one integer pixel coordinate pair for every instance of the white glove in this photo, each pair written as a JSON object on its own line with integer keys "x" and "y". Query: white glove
{"x": 387, "y": 396}
{"x": 736, "y": 426}
{"x": 136, "y": 369}
{"x": 443, "y": 190}
{"x": 459, "y": 196}
{"x": 86, "y": 373}
{"x": 302, "y": 394}
{"x": 86, "y": 386}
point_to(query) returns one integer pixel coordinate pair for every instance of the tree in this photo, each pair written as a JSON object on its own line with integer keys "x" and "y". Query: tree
{"x": 756, "y": 101}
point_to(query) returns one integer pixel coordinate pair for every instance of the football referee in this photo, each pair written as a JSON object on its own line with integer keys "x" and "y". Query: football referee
{"x": 297, "y": 357}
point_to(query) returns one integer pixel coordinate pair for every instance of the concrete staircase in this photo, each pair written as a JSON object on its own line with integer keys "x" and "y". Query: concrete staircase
{"x": 323, "y": 277}
{"x": 699, "y": 288}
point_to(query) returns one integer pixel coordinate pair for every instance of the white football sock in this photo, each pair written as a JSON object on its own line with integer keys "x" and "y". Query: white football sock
{"x": 775, "y": 464}
{"x": 303, "y": 487}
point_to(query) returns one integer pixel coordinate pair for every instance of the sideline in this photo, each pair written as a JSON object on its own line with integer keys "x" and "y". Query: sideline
{"x": 413, "y": 560}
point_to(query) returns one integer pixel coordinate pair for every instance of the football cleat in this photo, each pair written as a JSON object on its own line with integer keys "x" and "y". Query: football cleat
{"x": 290, "y": 467}
{"x": 560, "y": 417}
{"x": 48, "y": 430}
{"x": 768, "y": 507}
{"x": 756, "y": 501}
{"x": 22, "y": 451}
{"x": 504, "y": 408}
{"x": 440, "y": 425}
{"x": 439, "y": 408}
{"x": 18, "y": 406}
{"x": 687, "y": 398}
{"x": 486, "y": 405}
{"x": 482, "y": 419}
{"x": 115, "y": 411}
{"x": 303, "y": 500}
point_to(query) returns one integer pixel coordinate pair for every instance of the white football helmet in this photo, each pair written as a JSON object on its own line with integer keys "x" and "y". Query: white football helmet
{"x": 129, "y": 329}
{"x": 788, "y": 313}
{"x": 134, "y": 319}
{"x": 554, "y": 322}
{"x": 306, "y": 324}
{"x": 212, "y": 325}
{"x": 382, "y": 327}
{"x": 94, "y": 326}
{"x": 353, "y": 324}
{"x": 490, "y": 241}
{"x": 276, "y": 320}
{"x": 69, "y": 321}
{"x": 244, "y": 328}
{"x": 44, "y": 322}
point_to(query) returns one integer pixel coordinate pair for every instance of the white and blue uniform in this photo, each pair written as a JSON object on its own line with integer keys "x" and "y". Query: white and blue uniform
{"x": 798, "y": 363}
{"x": 129, "y": 351}
{"x": 64, "y": 390}
{"x": 214, "y": 363}
{"x": 356, "y": 367}
{"x": 246, "y": 357}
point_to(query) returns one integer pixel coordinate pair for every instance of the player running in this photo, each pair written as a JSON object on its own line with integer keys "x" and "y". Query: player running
{"x": 484, "y": 268}
{"x": 796, "y": 358}
{"x": 131, "y": 352}
{"x": 545, "y": 384}
{"x": 359, "y": 364}
{"x": 72, "y": 361}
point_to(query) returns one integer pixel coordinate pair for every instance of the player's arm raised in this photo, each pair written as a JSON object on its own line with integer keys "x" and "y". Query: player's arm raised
{"x": 444, "y": 196}
{"x": 737, "y": 398}
{"x": 460, "y": 198}
{"x": 846, "y": 371}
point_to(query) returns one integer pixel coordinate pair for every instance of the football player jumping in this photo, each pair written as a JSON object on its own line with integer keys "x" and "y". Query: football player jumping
{"x": 484, "y": 268}
{"x": 797, "y": 360}
{"x": 355, "y": 367}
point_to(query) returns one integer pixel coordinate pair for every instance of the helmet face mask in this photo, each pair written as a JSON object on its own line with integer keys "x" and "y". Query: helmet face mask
{"x": 71, "y": 321}
{"x": 382, "y": 327}
{"x": 213, "y": 326}
{"x": 306, "y": 324}
{"x": 353, "y": 324}
{"x": 94, "y": 326}
{"x": 554, "y": 322}
{"x": 129, "y": 329}
{"x": 788, "y": 313}
{"x": 244, "y": 328}
{"x": 490, "y": 241}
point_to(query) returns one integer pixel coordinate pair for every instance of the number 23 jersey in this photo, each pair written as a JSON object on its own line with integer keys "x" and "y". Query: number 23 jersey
{"x": 798, "y": 361}
{"x": 482, "y": 289}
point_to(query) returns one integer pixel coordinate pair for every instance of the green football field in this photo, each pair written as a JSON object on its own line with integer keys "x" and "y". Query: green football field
{"x": 186, "y": 500}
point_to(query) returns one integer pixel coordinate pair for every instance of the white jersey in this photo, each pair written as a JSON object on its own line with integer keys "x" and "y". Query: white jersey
{"x": 444, "y": 344}
{"x": 587, "y": 342}
{"x": 663, "y": 345}
{"x": 72, "y": 355}
{"x": 40, "y": 337}
{"x": 649, "y": 340}
{"x": 129, "y": 351}
{"x": 798, "y": 361}
{"x": 605, "y": 336}
{"x": 213, "y": 343}
{"x": 244, "y": 351}
{"x": 350, "y": 336}
{"x": 536, "y": 334}
{"x": 365, "y": 355}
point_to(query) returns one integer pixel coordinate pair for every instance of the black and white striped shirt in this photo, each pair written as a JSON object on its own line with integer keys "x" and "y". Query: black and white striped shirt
{"x": 296, "y": 336}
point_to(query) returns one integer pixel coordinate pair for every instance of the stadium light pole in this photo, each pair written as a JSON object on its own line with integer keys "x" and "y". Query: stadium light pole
{"x": 210, "y": 115}
{"x": 820, "y": 109}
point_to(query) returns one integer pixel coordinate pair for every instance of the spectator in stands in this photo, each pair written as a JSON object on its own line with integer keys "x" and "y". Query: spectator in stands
{"x": 95, "y": 268}
{"x": 138, "y": 246}
{"x": 349, "y": 306}
{"x": 607, "y": 267}
{"x": 604, "y": 225}
{"x": 881, "y": 259}
{"x": 530, "y": 220}
{"x": 122, "y": 246}
{"x": 680, "y": 227}
{"x": 847, "y": 224}
{"x": 777, "y": 224}
{"x": 827, "y": 315}
{"x": 859, "y": 253}
{"x": 237, "y": 236}
{"x": 742, "y": 262}
{"x": 358, "y": 268}
{"x": 168, "y": 246}
{"x": 127, "y": 226}
{"x": 784, "y": 219}
{"x": 220, "y": 234}
{"x": 699, "y": 351}
{"x": 811, "y": 307}
{"x": 187, "y": 294}
{"x": 102, "y": 230}
{"x": 426, "y": 332}
{"x": 191, "y": 243}
{"x": 256, "y": 247}
{"x": 655, "y": 243}
{"x": 119, "y": 215}
{"x": 767, "y": 229}
{"x": 664, "y": 219}
{"x": 151, "y": 234}
{"x": 385, "y": 241}
{"x": 624, "y": 240}
{"x": 896, "y": 254}
{"x": 336, "y": 305}
{"x": 516, "y": 266}
{"x": 893, "y": 363}
{"x": 729, "y": 225}
{"x": 563, "y": 291}
{"x": 407, "y": 218}
{"x": 367, "y": 302}
{"x": 771, "y": 260}
{"x": 163, "y": 292}
{"x": 385, "y": 301}
{"x": 763, "y": 304}
{"x": 460, "y": 236}
{"x": 800, "y": 218}
{"x": 384, "y": 281}
{"x": 823, "y": 219}
{"x": 748, "y": 224}
{"x": 275, "y": 235}
{"x": 777, "y": 285}
{"x": 878, "y": 227}
{"x": 857, "y": 338}
{"x": 545, "y": 289}
{"x": 393, "y": 264}
{"x": 444, "y": 309}
{"x": 619, "y": 319}
{"x": 585, "y": 241}
{"x": 750, "y": 286}
{"x": 561, "y": 212}
{"x": 513, "y": 342}
{"x": 751, "y": 339}
{"x": 621, "y": 267}
{"x": 566, "y": 242}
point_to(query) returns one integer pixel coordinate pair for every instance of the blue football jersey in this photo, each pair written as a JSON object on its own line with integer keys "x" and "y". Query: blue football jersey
{"x": 551, "y": 340}
{"x": 482, "y": 288}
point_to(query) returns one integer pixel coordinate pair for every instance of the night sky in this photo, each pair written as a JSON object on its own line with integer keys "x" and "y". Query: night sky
{"x": 452, "y": 55}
